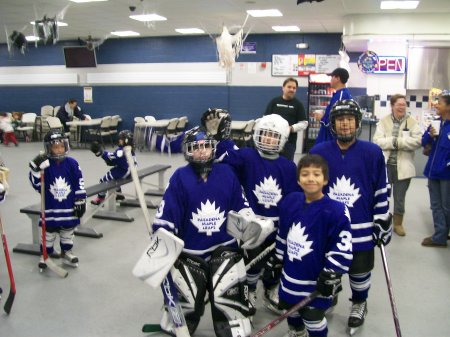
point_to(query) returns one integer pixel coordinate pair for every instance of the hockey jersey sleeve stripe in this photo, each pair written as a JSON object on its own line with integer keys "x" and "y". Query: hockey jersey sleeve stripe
{"x": 60, "y": 219}
{"x": 296, "y": 281}
{"x": 361, "y": 225}
{"x": 280, "y": 240}
{"x": 345, "y": 255}
{"x": 381, "y": 204}
{"x": 165, "y": 223}
{"x": 381, "y": 191}
{"x": 362, "y": 239}
{"x": 383, "y": 216}
{"x": 338, "y": 265}
{"x": 295, "y": 293}
{"x": 59, "y": 211}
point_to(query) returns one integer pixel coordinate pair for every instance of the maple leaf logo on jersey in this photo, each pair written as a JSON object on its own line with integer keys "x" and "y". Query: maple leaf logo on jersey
{"x": 60, "y": 189}
{"x": 268, "y": 192}
{"x": 297, "y": 242}
{"x": 344, "y": 191}
{"x": 208, "y": 219}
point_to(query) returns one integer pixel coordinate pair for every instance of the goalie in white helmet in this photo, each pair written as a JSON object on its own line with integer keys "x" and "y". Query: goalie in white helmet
{"x": 266, "y": 178}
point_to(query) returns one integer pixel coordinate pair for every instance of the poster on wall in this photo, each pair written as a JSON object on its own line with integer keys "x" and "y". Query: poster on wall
{"x": 87, "y": 92}
{"x": 303, "y": 64}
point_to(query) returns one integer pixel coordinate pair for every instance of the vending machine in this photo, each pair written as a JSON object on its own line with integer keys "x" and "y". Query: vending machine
{"x": 319, "y": 95}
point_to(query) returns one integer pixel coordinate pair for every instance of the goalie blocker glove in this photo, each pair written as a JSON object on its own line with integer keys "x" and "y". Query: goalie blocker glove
{"x": 217, "y": 123}
{"x": 40, "y": 162}
{"x": 329, "y": 283}
{"x": 80, "y": 207}
{"x": 382, "y": 231}
{"x": 96, "y": 149}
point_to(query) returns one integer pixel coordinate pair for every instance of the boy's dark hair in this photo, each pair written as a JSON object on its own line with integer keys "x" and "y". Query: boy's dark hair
{"x": 313, "y": 160}
{"x": 72, "y": 100}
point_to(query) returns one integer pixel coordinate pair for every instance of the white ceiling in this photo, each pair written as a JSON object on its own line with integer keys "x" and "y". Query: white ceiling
{"x": 100, "y": 18}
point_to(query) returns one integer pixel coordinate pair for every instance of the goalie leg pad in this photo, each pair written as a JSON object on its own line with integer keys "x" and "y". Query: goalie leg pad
{"x": 190, "y": 276}
{"x": 229, "y": 293}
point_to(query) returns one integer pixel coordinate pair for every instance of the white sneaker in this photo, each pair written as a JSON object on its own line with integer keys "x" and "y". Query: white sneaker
{"x": 70, "y": 259}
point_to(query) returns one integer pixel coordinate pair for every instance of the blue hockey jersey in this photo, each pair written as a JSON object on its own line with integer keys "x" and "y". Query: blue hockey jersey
{"x": 63, "y": 184}
{"x": 119, "y": 161}
{"x": 311, "y": 237}
{"x": 265, "y": 181}
{"x": 196, "y": 210}
{"x": 359, "y": 180}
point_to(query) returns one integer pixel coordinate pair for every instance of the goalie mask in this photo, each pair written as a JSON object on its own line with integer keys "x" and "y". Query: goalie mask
{"x": 54, "y": 137}
{"x": 199, "y": 149}
{"x": 270, "y": 135}
{"x": 346, "y": 107}
{"x": 127, "y": 137}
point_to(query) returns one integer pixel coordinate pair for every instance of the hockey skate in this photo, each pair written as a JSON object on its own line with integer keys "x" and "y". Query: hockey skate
{"x": 271, "y": 300}
{"x": 69, "y": 259}
{"x": 357, "y": 316}
{"x": 42, "y": 265}
{"x": 97, "y": 201}
{"x": 296, "y": 333}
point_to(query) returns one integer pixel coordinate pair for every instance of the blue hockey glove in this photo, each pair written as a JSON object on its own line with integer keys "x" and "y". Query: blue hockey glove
{"x": 80, "y": 207}
{"x": 382, "y": 231}
{"x": 40, "y": 162}
{"x": 329, "y": 283}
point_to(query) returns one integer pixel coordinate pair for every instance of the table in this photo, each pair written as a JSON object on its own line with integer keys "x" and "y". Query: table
{"x": 238, "y": 125}
{"x": 149, "y": 130}
{"x": 95, "y": 122}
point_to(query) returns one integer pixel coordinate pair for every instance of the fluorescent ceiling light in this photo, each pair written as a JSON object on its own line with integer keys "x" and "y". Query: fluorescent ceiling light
{"x": 286, "y": 28}
{"x": 399, "y": 4}
{"x": 123, "y": 33}
{"x": 261, "y": 13}
{"x": 31, "y": 38}
{"x": 148, "y": 17}
{"x": 82, "y": 1}
{"x": 59, "y": 23}
{"x": 189, "y": 30}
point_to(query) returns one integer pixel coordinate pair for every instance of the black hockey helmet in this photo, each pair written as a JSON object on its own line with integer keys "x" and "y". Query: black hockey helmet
{"x": 195, "y": 139}
{"x": 55, "y": 137}
{"x": 344, "y": 108}
{"x": 127, "y": 137}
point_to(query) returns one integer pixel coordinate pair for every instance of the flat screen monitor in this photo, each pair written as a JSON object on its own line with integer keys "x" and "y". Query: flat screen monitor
{"x": 79, "y": 57}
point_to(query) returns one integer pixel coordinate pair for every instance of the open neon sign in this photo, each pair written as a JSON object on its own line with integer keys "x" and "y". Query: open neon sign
{"x": 390, "y": 65}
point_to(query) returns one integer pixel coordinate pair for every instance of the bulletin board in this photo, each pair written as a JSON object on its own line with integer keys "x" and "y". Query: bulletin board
{"x": 303, "y": 64}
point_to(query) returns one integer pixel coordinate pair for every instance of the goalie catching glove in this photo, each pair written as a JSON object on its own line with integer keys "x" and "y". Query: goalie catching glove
{"x": 382, "y": 231}
{"x": 217, "y": 123}
{"x": 246, "y": 227}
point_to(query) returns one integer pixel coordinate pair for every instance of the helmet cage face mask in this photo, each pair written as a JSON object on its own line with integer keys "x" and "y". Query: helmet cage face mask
{"x": 271, "y": 133}
{"x": 346, "y": 108}
{"x": 197, "y": 140}
{"x": 56, "y": 139}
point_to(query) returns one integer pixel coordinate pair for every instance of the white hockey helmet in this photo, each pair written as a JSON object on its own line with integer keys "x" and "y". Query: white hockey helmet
{"x": 271, "y": 133}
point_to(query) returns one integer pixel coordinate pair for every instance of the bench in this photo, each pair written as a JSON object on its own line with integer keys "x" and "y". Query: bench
{"x": 105, "y": 211}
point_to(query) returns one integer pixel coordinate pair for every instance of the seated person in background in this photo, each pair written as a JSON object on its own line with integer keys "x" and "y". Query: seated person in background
{"x": 8, "y": 130}
{"x": 314, "y": 242}
{"x": 116, "y": 159}
{"x": 67, "y": 111}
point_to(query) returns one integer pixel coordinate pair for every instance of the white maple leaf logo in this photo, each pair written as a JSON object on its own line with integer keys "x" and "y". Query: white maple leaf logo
{"x": 344, "y": 191}
{"x": 268, "y": 192}
{"x": 60, "y": 189}
{"x": 297, "y": 242}
{"x": 208, "y": 219}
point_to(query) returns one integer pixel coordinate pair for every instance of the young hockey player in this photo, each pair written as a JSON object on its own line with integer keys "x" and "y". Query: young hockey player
{"x": 265, "y": 176}
{"x": 194, "y": 207}
{"x": 358, "y": 179}
{"x": 65, "y": 196}
{"x": 116, "y": 159}
{"x": 314, "y": 243}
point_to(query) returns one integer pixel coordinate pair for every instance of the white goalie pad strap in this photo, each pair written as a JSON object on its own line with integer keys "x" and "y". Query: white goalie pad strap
{"x": 159, "y": 256}
{"x": 300, "y": 126}
{"x": 250, "y": 230}
{"x": 241, "y": 327}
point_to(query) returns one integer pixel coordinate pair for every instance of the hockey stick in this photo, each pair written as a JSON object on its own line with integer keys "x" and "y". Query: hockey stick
{"x": 12, "y": 283}
{"x": 48, "y": 261}
{"x": 260, "y": 256}
{"x": 391, "y": 291}
{"x": 278, "y": 320}
{"x": 167, "y": 286}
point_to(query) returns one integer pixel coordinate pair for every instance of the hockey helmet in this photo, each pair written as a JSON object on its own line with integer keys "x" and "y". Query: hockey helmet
{"x": 347, "y": 107}
{"x": 127, "y": 137}
{"x": 270, "y": 135}
{"x": 197, "y": 139}
{"x": 56, "y": 137}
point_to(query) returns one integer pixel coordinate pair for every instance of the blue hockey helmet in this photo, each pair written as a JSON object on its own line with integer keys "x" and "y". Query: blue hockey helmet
{"x": 197, "y": 139}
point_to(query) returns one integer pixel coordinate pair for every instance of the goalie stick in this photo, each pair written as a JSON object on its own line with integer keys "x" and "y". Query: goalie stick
{"x": 391, "y": 292}
{"x": 281, "y": 318}
{"x": 48, "y": 261}
{"x": 12, "y": 284}
{"x": 167, "y": 286}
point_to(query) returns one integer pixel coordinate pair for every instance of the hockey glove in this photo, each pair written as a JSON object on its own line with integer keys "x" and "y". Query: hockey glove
{"x": 217, "y": 123}
{"x": 40, "y": 162}
{"x": 329, "y": 283}
{"x": 272, "y": 269}
{"x": 382, "y": 231}
{"x": 80, "y": 207}
{"x": 300, "y": 126}
{"x": 96, "y": 148}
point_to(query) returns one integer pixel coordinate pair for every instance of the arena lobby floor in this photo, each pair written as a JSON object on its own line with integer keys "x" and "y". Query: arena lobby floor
{"x": 102, "y": 298}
